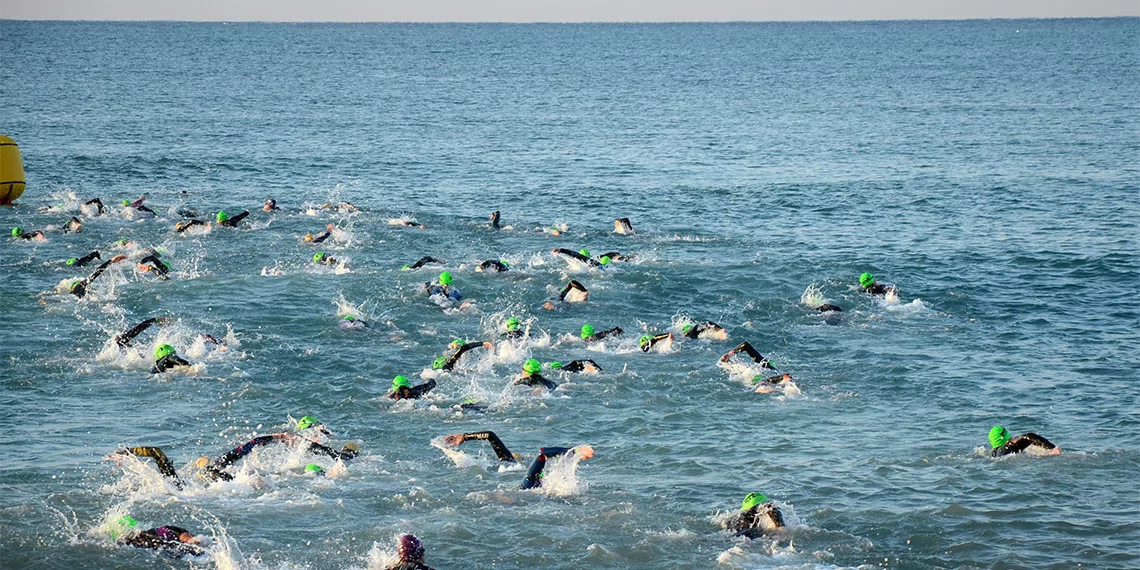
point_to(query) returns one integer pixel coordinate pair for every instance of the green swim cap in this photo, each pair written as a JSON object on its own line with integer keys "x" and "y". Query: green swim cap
{"x": 314, "y": 468}
{"x": 128, "y": 521}
{"x": 17, "y": 231}
{"x": 532, "y": 366}
{"x": 72, "y": 261}
{"x": 400, "y": 381}
{"x": 405, "y": 268}
{"x": 122, "y": 241}
{"x": 126, "y": 202}
{"x": 318, "y": 256}
{"x": 348, "y": 318}
{"x": 439, "y": 362}
{"x": 866, "y": 280}
{"x": 584, "y": 252}
{"x": 587, "y": 331}
{"x": 505, "y": 264}
{"x": 555, "y": 365}
{"x": 124, "y": 523}
{"x": 512, "y": 324}
{"x": 162, "y": 351}
{"x": 605, "y": 260}
{"x": 644, "y": 340}
{"x": 445, "y": 278}
{"x": 753, "y": 499}
{"x": 998, "y": 436}
{"x": 165, "y": 264}
{"x": 306, "y": 422}
{"x": 685, "y": 329}
{"x": 222, "y": 216}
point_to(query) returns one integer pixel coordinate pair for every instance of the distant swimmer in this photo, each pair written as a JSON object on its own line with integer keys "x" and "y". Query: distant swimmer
{"x": 586, "y": 366}
{"x": 534, "y": 475}
{"x": 72, "y": 226}
{"x": 500, "y": 449}
{"x": 406, "y": 223}
{"x": 532, "y": 376}
{"x": 311, "y": 422}
{"x": 93, "y": 207}
{"x": 867, "y": 282}
{"x": 512, "y": 328}
{"x": 351, "y": 322}
{"x": 402, "y": 390}
{"x": 827, "y": 308}
{"x": 616, "y": 256}
{"x": 1002, "y": 444}
{"x": 165, "y": 358}
{"x": 270, "y": 206}
{"x": 124, "y": 340}
{"x": 622, "y": 226}
{"x": 573, "y": 292}
{"x": 169, "y": 540}
{"x": 214, "y": 470}
{"x": 443, "y": 288}
{"x": 757, "y": 517}
{"x": 81, "y": 261}
{"x": 138, "y": 206}
{"x": 422, "y": 262}
{"x": 152, "y": 264}
{"x": 707, "y": 330}
{"x": 588, "y": 333}
{"x": 229, "y": 221}
{"x": 322, "y": 258}
{"x": 766, "y": 385}
{"x": 19, "y": 233}
{"x": 411, "y": 553}
{"x": 582, "y": 255}
{"x": 493, "y": 266}
{"x": 184, "y": 225}
{"x": 460, "y": 348}
{"x": 79, "y": 288}
{"x": 165, "y": 466}
{"x": 342, "y": 207}
{"x": 649, "y": 341}
{"x": 752, "y": 353}
{"x": 495, "y": 223}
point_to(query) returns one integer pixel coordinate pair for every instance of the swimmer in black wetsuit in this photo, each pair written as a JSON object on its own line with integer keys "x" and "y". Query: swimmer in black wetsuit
{"x": 461, "y": 348}
{"x": 270, "y": 206}
{"x": 867, "y": 282}
{"x": 615, "y": 256}
{"x": 184, "y": 225}
{"x": 19, "y": 233}
{"x": 1002, "y": 444}
{"x": 583, "y": 255}
{"x": 351, "y": 322}
{"x": 752, "y": 353}
{"x": 707, "y": 329}
{"x": 99, "y": 209}
{"x": 586, "y": 365}
{"x": 124, "y": 340}
{"x": 323, "y": 258}
{"x": 79, "y": 288}
{"x": 495, "y": 220}
{"x": 757, "y": 516}
{"x": 138, "y": 205}
{"x": 228, "y": 221}
{"x": 766, "y": 385}
{"x": 72, "y": 226}
{"x": 422, "y": 262}
{"x": 213, "y": 470}
{"x": 160, "y": 460}
{"x": 310, "y": 238}
{"x": 647, "y": 342}
{"x": 165, "y": 358}
{"x": 171, "y": 540}
{"x": 81, "y": 261}
{"x": 500, "y": 449}
{"x": 623, "y": 226}
{"x": 534, "y": 474}
{"x": 153, "y": 263}
{"x": 411, "y": 553}
{"x": 532, "y": 376}
{"x": 588, "y": 333}
{"x": 402, "y": 390}
{"x": 513, "y": 328}
{"x": 494, "y": 266}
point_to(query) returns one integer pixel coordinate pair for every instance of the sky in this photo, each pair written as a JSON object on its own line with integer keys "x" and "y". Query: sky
{"x": 556, "y": 11}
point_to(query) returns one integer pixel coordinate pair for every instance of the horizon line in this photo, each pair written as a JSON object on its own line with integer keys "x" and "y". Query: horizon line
{"x": 569, "y": 22}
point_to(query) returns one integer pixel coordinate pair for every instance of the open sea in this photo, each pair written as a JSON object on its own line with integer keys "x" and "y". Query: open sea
{"x": 990, "y": 169}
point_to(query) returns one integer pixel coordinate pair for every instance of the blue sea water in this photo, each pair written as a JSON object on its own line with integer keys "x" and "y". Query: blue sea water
{"x": 989, "y": 168}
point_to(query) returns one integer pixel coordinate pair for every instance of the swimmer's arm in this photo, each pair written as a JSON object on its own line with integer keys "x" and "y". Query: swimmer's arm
{"x": 236, "y": 219}
{"x": 459, "y": 352}
{"x": 1021, "y": 442}
{"x": 164, "y": 465}
{"x": 570, "y": 253}
{"x": 425, "y": 260}
{"x": 419, "y": 391}
{"x": 125, "y": 339}
{"x": 497, "y": 444}
{"x": 103, "y": 267}
{"x": 605, "y": 333}
{"x": 571, "y": 285}
{"x": 746, "y": 348}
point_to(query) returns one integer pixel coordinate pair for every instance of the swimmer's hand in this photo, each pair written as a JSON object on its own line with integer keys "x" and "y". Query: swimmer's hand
{"x": 454, "y": 439}
{"x": 118, "y": 258}
{"x": 488, "y": 345}
{"x": 584, "y": 451}
{"x": 1055, "y": 451}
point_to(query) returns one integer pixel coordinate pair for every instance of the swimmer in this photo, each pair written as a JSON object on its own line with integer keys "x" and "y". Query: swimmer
{"x": 707, "y": 330}
{"x": 165, "y": 358}
{"x": 19, "y": 233}
{"x": 752, "y": 353}
{"x": 513, "y": 328}
{"x": 79, "y": 288}
{"x": 124, "y": 340}
{"x": 160, "y": 460}
{"x": 587, "y": 366}
{"x": 1002, "y": 444}
{"x": 531, "y": 376}
{"x": 214, "y": 470}
{"x": 648, "y": 341}
{"x": 351, "y": 322}
{"x": 153, "y": 263}
{"x": 588, "y": 333}
{"x": 311, "y": 422}
{"x": 81, "y": 261}
{"x": 323, "y": 258}
{"x": 622, "y": 226}
{"x": 72, "y": 226}
{"x": 343, "y": 207}
{"x": 270, "y": 206}
{"x": 615, "y": 256}
{"x": 582, "y": 255}
{"x": 443, "y": 287}
{"x": 422, "y": 262}
{"x": 501, "y": 451}
{"x": 184, "y": 225}
{"x": 406, "y": 223}
{"x": 867, "y": 282}
{"x": 315, "y": 470}
{"x": 138, "y": 205}
{"x": 228, "y": 221}
{"x": 461, "y": 348}
{"x": 310, "y": 238}
{"x": 494, "y": 266}
{"x": 495, "y": 220}
{"x": 170, "y": 540}
{"x": 98, "y": 207}
{"x": 402, "y": 390}
{"x": 766, "y": 385}
{"x": 757, "y": 516}
{"x": 534, "y": 475}
{"x": 573, "y": 292}
{"x": 827, "y": 308}
{"x": 411, "y": 553}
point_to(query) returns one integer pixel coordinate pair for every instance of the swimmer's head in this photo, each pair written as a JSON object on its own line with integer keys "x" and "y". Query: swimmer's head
{"x": 309, "y": 237}
{"x": 319, "y": 256}
{"x": 439, "y": 362}
{"x": 124, "y": 524}
{"x": 17, "y": 231}
{"x": 532, "y": 366}
{"x": 222, "y": 216}
{"x": 685, "y": 329}
{"x": 753, "y": 499}
{"x": 644, "y": 341}
{"x": 513, "y": 324}
{"x": 202, "y": 462}
{"x": 126, "y": 202}
{"x": 445, "y": 278}
{"x": 72, "y": 261}
{"x": 605, "y": 260}
{"x": 349, "y": 318}
{"x": 998, "y": 436}
{"x": 162, "y": 351}
{"x": 400, "y": 381}
{"x": 584, "y": 252}
{"x": 505, "y": 263}
{"x": 587, "y": 331}
{"x": 866, "y": 280}
{"x": 306, "y": 422}
{"x": 555, "y": 365}
{"x": 314, "y": 469}
{"x": 410, "y": 549}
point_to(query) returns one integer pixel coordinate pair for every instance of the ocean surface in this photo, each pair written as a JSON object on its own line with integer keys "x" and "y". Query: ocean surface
{"x": 990, "y": 169}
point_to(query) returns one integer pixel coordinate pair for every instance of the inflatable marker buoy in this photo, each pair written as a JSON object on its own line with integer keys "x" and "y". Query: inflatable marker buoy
{"x": 11, "y": 171}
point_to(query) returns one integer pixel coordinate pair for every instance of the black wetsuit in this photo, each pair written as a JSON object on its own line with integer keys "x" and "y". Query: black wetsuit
{"x": 71, "y": 226}
{"x": 751, "y": 522}
{"x": 454, "y": 358}
{"x": 167, "y": 362}
{"x": 534, "y": 380}
{"x": 320, "y": 238}
{"x": 579, "y": 365}
{"x": 494, "y": 265}
{"x": 424, "y": 261}
{"x": 97, "y": 202}
{"x": 704, "y": 327}
{"x": 497, "y": 444}
{"x": 652, "y": 341}
{"x": 30, "y": 235}
{"x": 571, "y": 285}
{"x": 592, "y": 262}
{"x": 877, "y": 289}
{"x": 81, "y": 261}
{"x": 183, "y": 226}
{"x": 752, "y": 353}
{"x": 1020, "y": 443}
{"x": 161, "y": 461}
{"x": 615, "y": 256}
{"x": 234, "y": 220}
{"x": 156, "y": 264}
{"x": 413, "y": 392}
{"x": 603, "y": 334}
{"x": 410, "y": 566}
{"x": 328, "y": 260}
{"x": 534, "y": 474}
{"x": 124, "y": 340}
{"x": 826, "y": 307}
{"x": 164, "y": 539}
{"x": 215, "y": 469}
{"x": 495, "y": 220}
{"x": 138, "y": 205}
{"x": 79, "y": 288}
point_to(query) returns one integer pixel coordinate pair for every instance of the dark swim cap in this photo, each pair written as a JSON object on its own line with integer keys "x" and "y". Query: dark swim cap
{"x": 998, "y": 436}
{"x": 410, "y": 549}
{"x": 753, "y": 499}
{"x": 866, "y": 280}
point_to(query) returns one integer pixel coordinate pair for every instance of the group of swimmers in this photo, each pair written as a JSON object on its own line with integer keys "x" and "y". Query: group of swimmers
{"x": 758, "y": 514}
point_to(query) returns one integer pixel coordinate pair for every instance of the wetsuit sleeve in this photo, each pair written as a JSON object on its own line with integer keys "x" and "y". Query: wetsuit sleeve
{"x": 748, "y": 349}
{"x": 419, "y": 391}
{"x": 86, "y": 259}
{"x": 246, "y": 448}
{"x": 574, "y": 366}
{"x": 497, "y": 444}
{"x": 458, "y": 353}
{"x": 164, "y": 465}
{"x": 605, "y": 333}
{"x": 99, "y": 270}
{"x": 704, "y": 327}
{"x": 534, "y": 474}
{"x": 571, "y": 285}
{"x": 322, "y": 237}
{"x": 236, "y": 219}
{"x": 320, "y": 449}
{"x": 423, "y": 261}
{"x": 126, "y": 338}
{"x": 1021, "y": 442}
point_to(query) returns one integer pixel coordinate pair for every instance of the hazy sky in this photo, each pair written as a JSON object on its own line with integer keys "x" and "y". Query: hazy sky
{"x": 556, "y": 11}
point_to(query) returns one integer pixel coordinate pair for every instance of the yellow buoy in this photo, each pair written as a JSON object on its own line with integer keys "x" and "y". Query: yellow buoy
{"x": 11, "y": 171}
